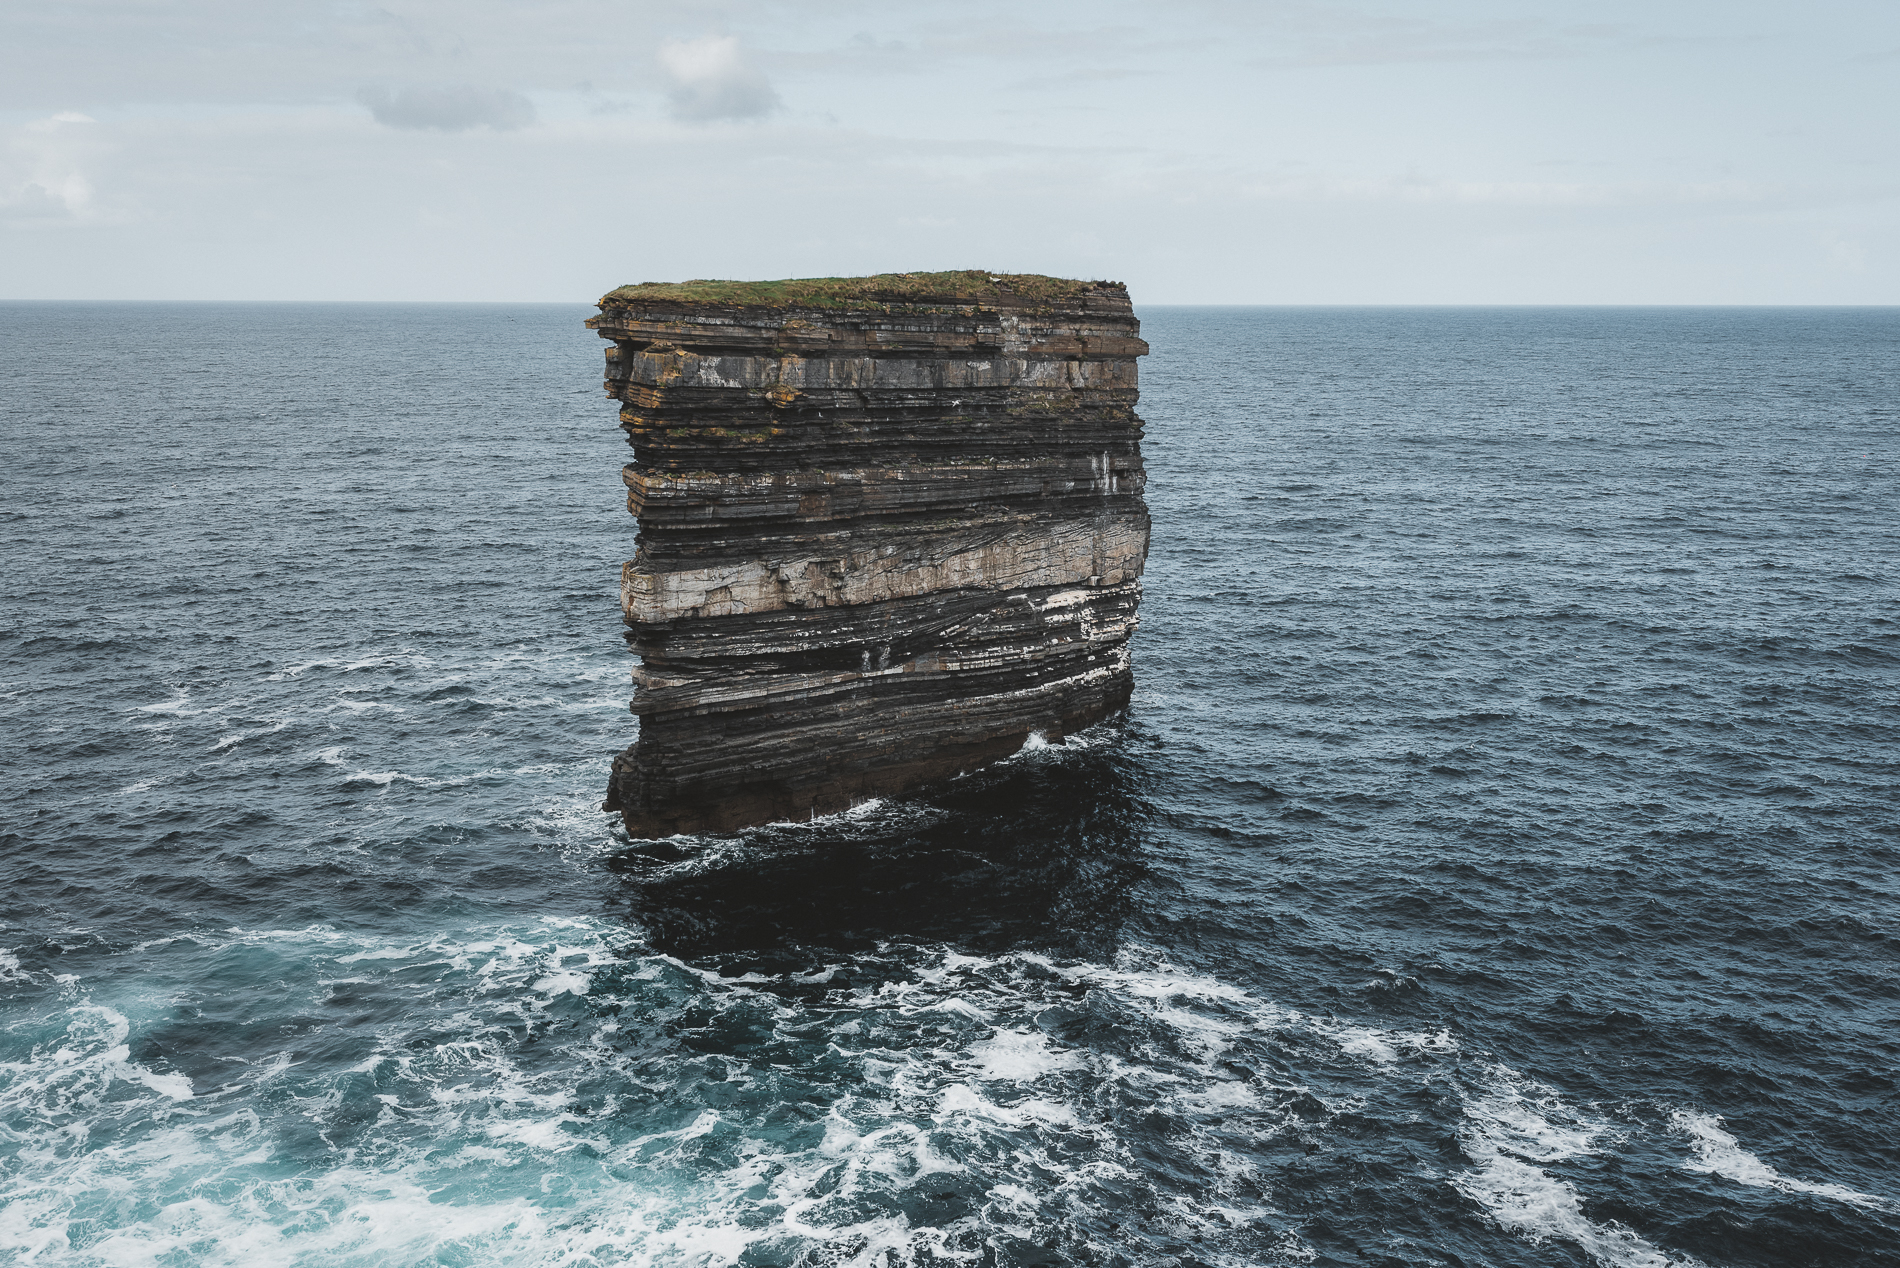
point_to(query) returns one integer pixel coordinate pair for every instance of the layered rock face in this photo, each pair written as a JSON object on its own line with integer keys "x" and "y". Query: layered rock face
{"x": 890, "y": 527}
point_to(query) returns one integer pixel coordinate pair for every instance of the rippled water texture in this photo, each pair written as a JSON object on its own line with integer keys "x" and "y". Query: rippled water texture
{"x": 1497, "y": 866}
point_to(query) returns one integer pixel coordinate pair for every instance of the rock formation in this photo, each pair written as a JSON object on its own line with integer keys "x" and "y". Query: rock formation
{"x": 890, "y": 527}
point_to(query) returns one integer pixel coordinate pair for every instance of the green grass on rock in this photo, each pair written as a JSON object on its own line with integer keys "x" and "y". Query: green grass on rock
{"x": 874, "y": 292}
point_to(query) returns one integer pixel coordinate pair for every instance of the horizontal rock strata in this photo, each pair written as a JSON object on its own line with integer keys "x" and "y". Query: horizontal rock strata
{"x": 889, "y": 528}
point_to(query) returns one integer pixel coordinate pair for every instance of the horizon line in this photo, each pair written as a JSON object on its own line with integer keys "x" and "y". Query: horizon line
{"x": 1168, "y": 304}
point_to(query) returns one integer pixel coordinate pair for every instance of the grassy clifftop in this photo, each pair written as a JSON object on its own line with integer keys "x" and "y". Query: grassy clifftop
{"x": 876, "y": 291}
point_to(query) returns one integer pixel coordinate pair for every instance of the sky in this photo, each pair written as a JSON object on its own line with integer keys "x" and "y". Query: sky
{"x": 1204, "y": 152}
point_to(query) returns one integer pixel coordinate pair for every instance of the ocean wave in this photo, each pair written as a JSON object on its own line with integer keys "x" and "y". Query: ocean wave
{"x": 964, "y": 1119}
{"x": 1518, "y": 1124}
{"x": 915, "y": 1102}
{"x": 1719, "y": 1153}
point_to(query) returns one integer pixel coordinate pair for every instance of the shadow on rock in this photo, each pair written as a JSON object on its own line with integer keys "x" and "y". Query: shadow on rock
{"x": 1042, "y": 851}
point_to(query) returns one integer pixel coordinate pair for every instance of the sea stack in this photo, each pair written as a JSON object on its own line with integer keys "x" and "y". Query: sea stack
{"x": 890, "y": 528}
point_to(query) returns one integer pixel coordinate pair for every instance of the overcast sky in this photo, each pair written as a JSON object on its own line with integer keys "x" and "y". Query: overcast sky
{"x": 1205, "y": 152}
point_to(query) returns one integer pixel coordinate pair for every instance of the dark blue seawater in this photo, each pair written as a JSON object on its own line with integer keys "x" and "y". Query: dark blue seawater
{"x": 1497, "y": 866}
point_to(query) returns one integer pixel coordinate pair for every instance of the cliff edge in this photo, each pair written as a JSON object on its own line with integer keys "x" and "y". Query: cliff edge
{"x": 889, "y": 528}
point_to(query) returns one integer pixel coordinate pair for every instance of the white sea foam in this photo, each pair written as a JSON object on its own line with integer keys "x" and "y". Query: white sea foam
{"x": 365, "y": 706}
{"x": 959, "y": 1102}
{"x": 175, "y": 707}
{"x": 477, "y": 1150}
{"x": 296, "y": 671}
{"x": 238, "y": 737}
{"x": 1526, "y": 1201}
{"x": 81, "y": 1066}
{"x": 1069, "y": 745}
{"x": 1021, "y": 1056}
{"x": 1719, "y": 1153}
{"x": 720, "y": 851}
{"x": 1517, "y": 1124}
{"x": 564, "y": 983}
{"x": 1361, "y": 1042}
{"x": 380, "y": 953}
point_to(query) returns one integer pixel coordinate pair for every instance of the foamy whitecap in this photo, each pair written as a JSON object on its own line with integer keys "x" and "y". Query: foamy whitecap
{"x": 1719, "y": 1153}
{"x": 297, "y": 671}
{"x": 1367, "y": 1043}
{"x": 535, "y": 1105}
{"x": 1020, "y": 1056}
{"x": 1524, "y": 1200}
{"x": 1512, "y": 1126}
{"x": 363, "y": 706}
{"x": 174, "y": 707}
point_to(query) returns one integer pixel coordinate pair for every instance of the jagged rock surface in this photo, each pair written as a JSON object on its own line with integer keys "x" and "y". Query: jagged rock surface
{"x": 889, "y": 528}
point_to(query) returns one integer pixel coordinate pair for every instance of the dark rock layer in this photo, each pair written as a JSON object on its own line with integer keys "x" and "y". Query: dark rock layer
{"x": 890, "y": 527}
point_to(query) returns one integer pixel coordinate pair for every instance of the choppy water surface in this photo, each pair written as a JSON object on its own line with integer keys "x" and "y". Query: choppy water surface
{"x": 1497, "y": 866}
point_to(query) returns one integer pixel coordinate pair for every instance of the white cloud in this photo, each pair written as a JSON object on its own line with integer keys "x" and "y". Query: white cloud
{"x": 41, "y": 174}
{"x": 448, "y": 108}
{"x": 30, "y": 200}
{"x": 710, "y": 79}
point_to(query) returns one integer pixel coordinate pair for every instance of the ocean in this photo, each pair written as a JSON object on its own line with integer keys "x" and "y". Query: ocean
{"x": 1497, "y": 864}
